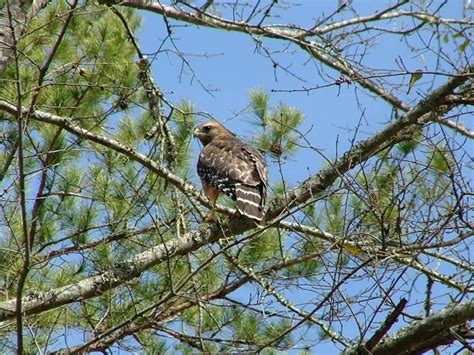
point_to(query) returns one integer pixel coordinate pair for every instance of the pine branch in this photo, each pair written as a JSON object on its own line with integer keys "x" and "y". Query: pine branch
{"x": 171, "y": 310}
{"x": 68, "y": 124}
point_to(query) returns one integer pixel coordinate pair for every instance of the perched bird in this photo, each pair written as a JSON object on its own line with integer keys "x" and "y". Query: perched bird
{"x": 228, "y": 165}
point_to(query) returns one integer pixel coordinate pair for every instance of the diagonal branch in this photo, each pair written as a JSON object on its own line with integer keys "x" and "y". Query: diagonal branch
{"x": 169, "y": 310}
{"x": 427, "y": 333}
{"x": 68, "y": 124}
{"x": 424, "y": 112}
{"x": 459, "y": 127}
{"x": 96, "y": 285}
{"x": 386, "y": 325}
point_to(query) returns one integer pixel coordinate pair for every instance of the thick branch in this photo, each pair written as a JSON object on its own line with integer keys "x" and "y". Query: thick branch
{"x": 170, "y": 310}
{"x": 96, "y": 285}
{"x": 415, "y": 338}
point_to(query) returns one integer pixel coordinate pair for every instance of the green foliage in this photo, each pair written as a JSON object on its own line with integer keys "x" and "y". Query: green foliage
{"x": 128, "y": 132}
{"x": 246, "y": 326}
{"x": 334, "y": 214}
{"x": 84, "y": 185}
{"x": 263, "y": 249}
{"x": 185, "y": 120}
{"x": 153, "y": 346}
{"x": 92, "y": 56}
{"x": 409, "y": 145}
{"x": 464, "y": 45}
{"x": 310, "y": 267}
{"x": 307, "y": 269}
{"x": 274, "y": 330}
{"x": 441, "y": 160}
{"x": 279, "y": 189}
{"x": 170, "y": 274}
{"x": 413, "y": 79}
{"x": 279, "y": 135}
{"x": 259, "y": 99}
{"x": 254, "y": 328}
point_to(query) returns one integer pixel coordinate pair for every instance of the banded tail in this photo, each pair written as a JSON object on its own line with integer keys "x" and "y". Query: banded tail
{"x": 250, "y": 202}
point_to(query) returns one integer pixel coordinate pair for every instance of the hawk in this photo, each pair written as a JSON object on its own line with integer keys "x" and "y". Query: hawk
{"x": 228, "y": 165}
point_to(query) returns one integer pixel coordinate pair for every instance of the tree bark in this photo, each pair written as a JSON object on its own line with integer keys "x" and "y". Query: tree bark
{"x": 14, "y": 19}
{"x": 436, "y": 330}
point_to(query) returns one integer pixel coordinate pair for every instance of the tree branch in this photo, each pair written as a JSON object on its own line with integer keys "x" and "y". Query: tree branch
{"x": 458, "y": 127}
{"x": 95, "y": 285}
{"x": 425, "y": 111}
{"x": 69, "y": 125}
{"x": 417, "y": 337}
{"x": 385, "y": 327}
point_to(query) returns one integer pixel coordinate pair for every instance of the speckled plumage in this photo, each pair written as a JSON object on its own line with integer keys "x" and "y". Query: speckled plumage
{"x": 233, "y": 167}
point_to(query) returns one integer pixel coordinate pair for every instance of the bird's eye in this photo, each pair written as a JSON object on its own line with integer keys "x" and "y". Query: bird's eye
{"x": 206, "y": 128}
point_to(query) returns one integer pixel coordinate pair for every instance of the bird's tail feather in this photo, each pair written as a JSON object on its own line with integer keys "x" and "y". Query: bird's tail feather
{"x": 249, "y": 202}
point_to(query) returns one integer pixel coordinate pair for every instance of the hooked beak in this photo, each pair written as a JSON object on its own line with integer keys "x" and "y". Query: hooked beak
{"x": 196, "y": 132}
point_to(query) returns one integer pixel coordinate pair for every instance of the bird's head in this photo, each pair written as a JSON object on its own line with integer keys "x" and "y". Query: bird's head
{"x": 207, "y": 131}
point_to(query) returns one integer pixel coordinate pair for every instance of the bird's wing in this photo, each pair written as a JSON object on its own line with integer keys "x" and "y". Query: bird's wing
{"x": 237, "y": 161}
